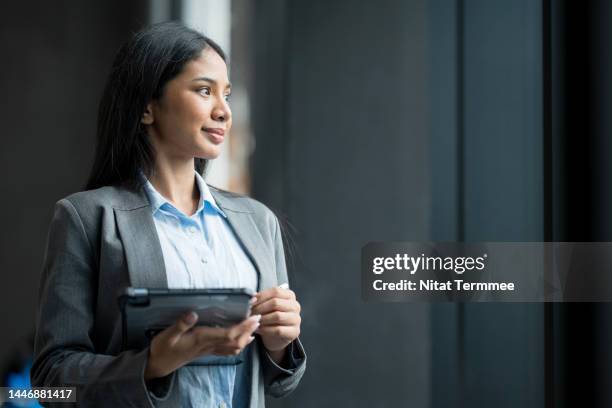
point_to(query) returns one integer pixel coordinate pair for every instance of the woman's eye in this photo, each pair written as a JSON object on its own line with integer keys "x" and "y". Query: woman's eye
{"x": 205, "y": 91}
{"x": 227, "y": 97}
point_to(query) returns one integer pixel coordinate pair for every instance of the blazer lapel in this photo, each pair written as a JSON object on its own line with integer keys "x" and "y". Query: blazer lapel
{"x": 143, "y": 251}
{"x": 240, "y": 218}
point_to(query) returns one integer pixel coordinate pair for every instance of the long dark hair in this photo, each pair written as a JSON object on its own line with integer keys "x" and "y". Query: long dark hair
{"x": 141, "y": 69}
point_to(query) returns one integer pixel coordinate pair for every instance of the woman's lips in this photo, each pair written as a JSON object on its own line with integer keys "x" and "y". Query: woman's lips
{"x": 215, "y": 135}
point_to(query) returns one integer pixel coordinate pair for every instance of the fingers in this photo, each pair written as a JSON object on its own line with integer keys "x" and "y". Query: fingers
{"x": 231, "y": 347}
{"x": 181, "y": 326}
{"x": 281, "y": 319}
{"x": 276, "y": 305}
{"x": 226, "y": 341}
{"x": 239, "y": 336}
{"x": 283, "y": 332}
{"x": 246, "y": 326}
{"x": 280, "y": 322}
{"x": 271, "y": 293}
{"x": 182, "y": 342}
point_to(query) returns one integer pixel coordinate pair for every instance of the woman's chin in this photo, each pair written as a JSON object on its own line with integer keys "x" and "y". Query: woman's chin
{"x": 208, "y": 154}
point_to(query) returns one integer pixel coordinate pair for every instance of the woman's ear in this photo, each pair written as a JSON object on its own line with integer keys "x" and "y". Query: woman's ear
{"x": 147, "y": 116}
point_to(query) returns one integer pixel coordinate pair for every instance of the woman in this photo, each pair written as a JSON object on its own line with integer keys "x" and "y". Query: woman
{"x": 148, "y": 219}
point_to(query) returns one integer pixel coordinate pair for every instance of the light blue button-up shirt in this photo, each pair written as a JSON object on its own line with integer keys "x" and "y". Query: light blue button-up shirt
{"x": 202, "y": 251}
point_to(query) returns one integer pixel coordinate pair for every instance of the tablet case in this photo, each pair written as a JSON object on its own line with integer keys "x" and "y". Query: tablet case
{"x": 145, "y": 312}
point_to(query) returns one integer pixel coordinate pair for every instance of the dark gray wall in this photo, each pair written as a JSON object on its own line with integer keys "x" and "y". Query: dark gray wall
{"x": 486, "y": 84}
{"x": 504, "y": 192}
{"x": 342, "y": 151}
{"x": 56, "y": 56}
{"x": 404, "y": 121}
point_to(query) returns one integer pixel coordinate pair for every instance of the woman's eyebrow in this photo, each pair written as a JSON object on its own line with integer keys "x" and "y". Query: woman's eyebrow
{"x": 212, "y": 81}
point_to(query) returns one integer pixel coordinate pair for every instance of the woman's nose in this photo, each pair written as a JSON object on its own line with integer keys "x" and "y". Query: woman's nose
{"x": 221, "y": 114}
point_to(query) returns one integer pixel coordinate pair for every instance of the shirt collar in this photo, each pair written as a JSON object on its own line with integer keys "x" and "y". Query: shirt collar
{"x": 205, "y": 194}
{"x": 157, "y": 200}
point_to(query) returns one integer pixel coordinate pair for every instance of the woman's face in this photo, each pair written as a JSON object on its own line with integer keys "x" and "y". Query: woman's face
{"x": 192, "y": 117}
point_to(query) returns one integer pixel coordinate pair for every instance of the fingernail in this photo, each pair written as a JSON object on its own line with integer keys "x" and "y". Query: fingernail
{"x": 253, "y": 300}
{"x": 191, "y": 318}
{"x": 256, "y": 317}
{"x": 251, "y": 338}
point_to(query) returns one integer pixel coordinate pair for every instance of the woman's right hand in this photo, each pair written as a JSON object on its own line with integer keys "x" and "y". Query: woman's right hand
{"x": 179, "y": 344}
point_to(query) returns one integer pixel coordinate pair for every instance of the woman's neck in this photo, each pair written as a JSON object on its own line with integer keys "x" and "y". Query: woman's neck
{"x": 175, "y": 180}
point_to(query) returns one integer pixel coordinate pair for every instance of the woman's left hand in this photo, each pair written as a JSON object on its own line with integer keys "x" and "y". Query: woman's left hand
{"x": 280, "y": 318}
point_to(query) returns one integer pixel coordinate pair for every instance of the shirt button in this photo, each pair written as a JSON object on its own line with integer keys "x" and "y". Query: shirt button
{"x": 192, "y": 229}
{"x": 222, "y": 405}
{"x": 203, "y": 260}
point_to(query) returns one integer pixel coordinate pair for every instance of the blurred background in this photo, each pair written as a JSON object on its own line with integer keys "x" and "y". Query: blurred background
{"x": 387, "y": 120}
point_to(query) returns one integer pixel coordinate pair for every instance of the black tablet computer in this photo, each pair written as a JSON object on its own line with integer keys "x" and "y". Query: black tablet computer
{"x": 145, "y": 312}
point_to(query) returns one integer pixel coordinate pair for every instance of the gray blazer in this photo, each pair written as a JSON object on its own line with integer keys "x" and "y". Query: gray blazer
{"x": 100, "y": 242}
